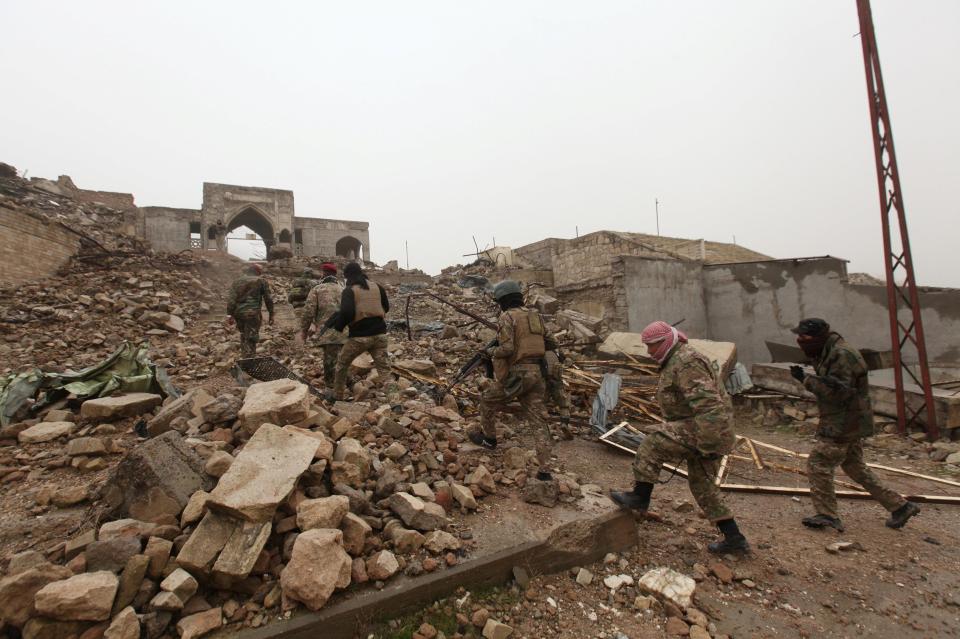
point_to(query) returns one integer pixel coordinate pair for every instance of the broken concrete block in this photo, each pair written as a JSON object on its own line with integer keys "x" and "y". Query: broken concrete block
{"x": 326, "y": 512}
{"x": 242, "y": 550}
{"x": 199, "y": 624}
{"x": 89, "y": 446}
{"x": 84, "y": 597}
{"x": 195, "y": 508}
{"x": 382, "y": 565}
{"x": 439, "y": 541}
{"x": 482, "y": 478}
{"x": 282, "y": 402}
{"x": 404, "y": 540}
{"x": 670, "y": 585}
{"x": 218, "y": 463}
{"x": 157, "y": 477}
{"x": 112, "y": 554}
{"x": 118, "y": 407}
{"x": 416, "y": 513}
{"x": 207, "y": 540}
{"x": 17, "y": 591}
{"x": 463, "y": 496}
{"x": 355, "y": 531}
{"x": 125, "y": 625}
{"x": 181, "y": 583}
{"x": 130, "y": 581}
{"x": 546, "y": 304}
{"x": 263, "y": 474}
{"x": 45, "y": 432}
{"x": 722, "y": 354}
{"x": 318, "y": 565}
{"x": 179, "y": 407}
{"x": 225, "y": 408}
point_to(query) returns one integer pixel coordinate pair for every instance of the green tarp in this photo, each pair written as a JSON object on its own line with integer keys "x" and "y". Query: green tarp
{"x": 127, "y": 370}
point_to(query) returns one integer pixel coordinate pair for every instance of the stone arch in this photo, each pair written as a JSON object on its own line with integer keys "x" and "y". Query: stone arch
{"x": 254, "y": 219}
{"x": 349, "y": 247}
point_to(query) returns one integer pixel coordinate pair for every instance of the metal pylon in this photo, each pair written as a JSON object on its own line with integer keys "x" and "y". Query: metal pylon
{"x": 906, "y": 327}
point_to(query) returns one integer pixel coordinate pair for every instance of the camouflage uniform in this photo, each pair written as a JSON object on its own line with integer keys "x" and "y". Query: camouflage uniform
{"x": 699, "y": 429}
{"x": 554, "y": 380}
{"x": 246, "y": 296}
{"x": 367, "y": 305}
{"x": 299, "y": 290}
{"x": 322, "y": 302}
{"x": 517, "y": 367}
{"x": 846, "y": 416}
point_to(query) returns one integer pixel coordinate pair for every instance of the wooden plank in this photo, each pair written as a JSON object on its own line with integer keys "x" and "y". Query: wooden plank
{"x": 847, "y": 494}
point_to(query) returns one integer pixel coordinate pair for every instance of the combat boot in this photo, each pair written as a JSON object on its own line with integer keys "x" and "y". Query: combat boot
{"x": 901, "y": 515}
{"x": 733, "y": 540}
{"x": 480, "y": 439}
{"x": 565, "y": 431}
{"x": 821, "y": 521}
{"x": 638, "y": 499}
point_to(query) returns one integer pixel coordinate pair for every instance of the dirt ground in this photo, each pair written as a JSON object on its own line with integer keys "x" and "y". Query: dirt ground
{"x": 898, "y": 584}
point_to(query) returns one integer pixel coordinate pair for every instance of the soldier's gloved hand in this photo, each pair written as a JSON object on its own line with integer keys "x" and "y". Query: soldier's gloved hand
{"x": 797, "y": 373}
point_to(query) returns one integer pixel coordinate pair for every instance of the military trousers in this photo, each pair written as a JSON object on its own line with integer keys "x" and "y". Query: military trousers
{"x": 673, "y": 445}
{"x": 823, "y": 461}
{"x": 248, "y": 324}
{"x": 376, "y": 345}
{"x": 531, "y": 395}
{"x": 330, "y": 354}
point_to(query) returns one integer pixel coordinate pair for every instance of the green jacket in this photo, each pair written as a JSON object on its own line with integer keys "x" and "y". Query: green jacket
{"x": 690, "y": 395}
{"x": 843, "y": 392}
{"x": 299, "y": 290}
{"x": 246, "y": 296}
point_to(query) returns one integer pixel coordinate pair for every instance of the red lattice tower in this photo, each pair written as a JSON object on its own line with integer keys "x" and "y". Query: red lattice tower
{"x": 906, "y": 327}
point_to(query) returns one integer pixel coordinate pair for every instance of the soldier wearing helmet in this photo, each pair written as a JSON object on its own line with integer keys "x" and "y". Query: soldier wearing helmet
{"x": 522, "y": 341}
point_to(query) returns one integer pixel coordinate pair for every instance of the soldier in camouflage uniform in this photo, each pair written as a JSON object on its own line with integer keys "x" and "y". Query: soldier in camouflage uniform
{"x": 699, "y": 430}
{"x": 846, "y": 417}
{"x": 247, "y": 294}
{"x": 363, "y": 308}
{"x": 301, "y": 287}
{"x": 556, "y": 392}
{"x": 322, "y": 302}
{"x": 522, "y": 342}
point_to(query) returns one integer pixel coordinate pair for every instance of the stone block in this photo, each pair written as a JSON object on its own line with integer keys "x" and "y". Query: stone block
{"x": 241, "y": 551}
{"x": 181, "y": 583}
{"x": 670, "y": 585}
{"x": 157, "y": 477}
{"x": 17, "y": 591}
{"x": 125, "y": 625}
{"x": 382, "y": 565}
{"x": 131, "y": 578}
{"x": 263, "y": 474}
{"x": 118, "y": 407}
{"x": 45, "y": 432}
{"x": 416, "y": 513}
{"x": 282, "y": 402}
{"x": 88, "y": 446}
{"x": 199, "y": 624}
{"x": 326, "y": 512}
{"x": 111, "y": 554}
{"x": 85, "y": 597}
{"x": 179, "y": 407}
{"x": 355, "y": 531}
{"x": 207, "y": 540}
{"x": 318, "y": 566}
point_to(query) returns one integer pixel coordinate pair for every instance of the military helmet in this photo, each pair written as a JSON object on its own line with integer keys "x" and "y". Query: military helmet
{"x": 504, "y": 288}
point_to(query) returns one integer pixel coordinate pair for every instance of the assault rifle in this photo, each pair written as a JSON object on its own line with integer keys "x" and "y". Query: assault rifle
{"x": 481, "y": 358}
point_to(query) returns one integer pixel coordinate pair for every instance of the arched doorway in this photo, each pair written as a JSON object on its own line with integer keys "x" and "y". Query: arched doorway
{"x": 250, "y": 234}
{"x": 350, "y": 248}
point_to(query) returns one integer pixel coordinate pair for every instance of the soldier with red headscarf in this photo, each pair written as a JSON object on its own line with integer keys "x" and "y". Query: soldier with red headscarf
{"x": 698, "y": 430}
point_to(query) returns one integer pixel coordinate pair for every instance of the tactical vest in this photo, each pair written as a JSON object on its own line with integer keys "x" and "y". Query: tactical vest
{"x": 366, "y": 302}
{"x": 528, "y": 334}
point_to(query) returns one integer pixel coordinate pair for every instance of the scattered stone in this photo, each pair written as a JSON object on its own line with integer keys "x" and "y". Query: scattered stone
{"x": 493, "y": 629}
{"x": 669, "y": 584}
{"x": 722, "y": 572}
{"x": 181, "y": 583}
{"x": 18, "y": 590}
{"x": 125, "y": 625}
{"x": 130, "y": 580}
{"x": 439, "y": 541}
{"x": 23, "y": 561}
{"x": 70, "y": 496}
{"x": 482, "y": 478}
{"x": 382, "y": 565}
{"x": 326, "y": 512}
{"x": 584, "y": 577}
{"x": 197, "y": 625}
{"x": 842, "y": 546}
{"x": 112, "y": 554}
{"x": 416, "y": 513}
{"x": 355, "y": 531}
{"x": 613, "y": 582}
{"x": 218, "y": 463}
{"x": 463, "y": 496}
{"x": 84, "y": 597}
{"x": 45, "y": 432}
{"x": 118, "y": 407}
{"x": 89, "y": 446}
{"x": 282, "y": 402}
{"x": 318, "y": 565}
{"x": 677, "y": 627}
{"x": 544, "y": 493}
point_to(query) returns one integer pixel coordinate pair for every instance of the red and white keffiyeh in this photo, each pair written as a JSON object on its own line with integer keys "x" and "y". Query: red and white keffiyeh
{"x": 665, "y": 336}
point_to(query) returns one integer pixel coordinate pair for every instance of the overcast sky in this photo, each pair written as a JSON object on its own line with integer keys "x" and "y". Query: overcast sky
{"x": 435, "y": 121}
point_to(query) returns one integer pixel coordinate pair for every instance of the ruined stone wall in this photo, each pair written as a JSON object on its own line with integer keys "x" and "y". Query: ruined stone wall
{"x": 320, "y": 236}
{"x": 657, "y": 289}
{"x": 31, "y": 247}
{"x": 540, "y": 254}
{"x": 591, "y": 257}
{"x": 165, "y": 228}
{"x": 119, "y": 201}
{"x": 751, "y": 303}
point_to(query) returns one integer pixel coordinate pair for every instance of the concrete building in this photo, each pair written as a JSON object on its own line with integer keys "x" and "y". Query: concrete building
{"x": 267, "y": 212}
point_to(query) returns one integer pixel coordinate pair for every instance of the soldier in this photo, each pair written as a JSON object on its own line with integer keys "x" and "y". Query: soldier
{"x": 699, "y": 430}
{"x": 220, "y": 235}
{"x": 363, "y": 307}
{"x": 522, "y": 342}
{"x": 301, "y": 287}
{"x": 243, "y": 306}
{"x": 322, "y": 302}
{"x": 846, "y": 416}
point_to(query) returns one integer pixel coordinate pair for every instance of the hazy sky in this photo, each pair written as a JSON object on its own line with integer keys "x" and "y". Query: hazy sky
{"x": 435, "y": 121}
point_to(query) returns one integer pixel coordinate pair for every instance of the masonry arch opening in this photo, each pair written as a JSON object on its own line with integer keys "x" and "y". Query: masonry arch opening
{"x": 250, "y": 235}
{"x": 350, "y": 248}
